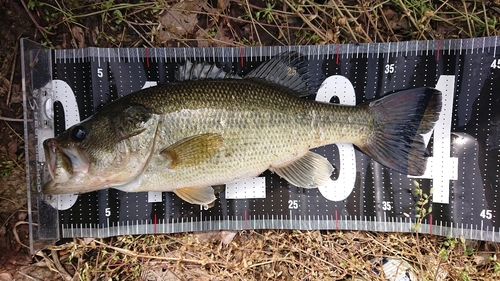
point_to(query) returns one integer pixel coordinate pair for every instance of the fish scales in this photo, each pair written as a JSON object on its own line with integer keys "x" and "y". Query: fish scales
{"x": 261, "y": 125}
{"x": 187, "y": 136}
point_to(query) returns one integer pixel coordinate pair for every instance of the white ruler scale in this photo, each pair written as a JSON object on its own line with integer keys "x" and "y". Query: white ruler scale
{"x": 463, "y": 147}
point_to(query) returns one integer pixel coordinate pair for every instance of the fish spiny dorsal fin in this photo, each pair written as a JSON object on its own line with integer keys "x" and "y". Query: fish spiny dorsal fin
{"x": 202, "y": 71}
{"x": 289, "y": 70}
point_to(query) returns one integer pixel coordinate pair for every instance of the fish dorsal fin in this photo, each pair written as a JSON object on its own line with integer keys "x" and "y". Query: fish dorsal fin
{"x": 192, "y": 150}
{"x": 201, "y": 71}
{"x": 289, "y": 70}
{"x": 309, "y": 171}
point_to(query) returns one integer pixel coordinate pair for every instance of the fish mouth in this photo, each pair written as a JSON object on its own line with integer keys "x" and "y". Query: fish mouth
{"x": 63, "y": 163}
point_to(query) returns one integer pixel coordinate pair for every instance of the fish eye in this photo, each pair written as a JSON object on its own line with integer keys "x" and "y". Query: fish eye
{"x": 78, "y": 133}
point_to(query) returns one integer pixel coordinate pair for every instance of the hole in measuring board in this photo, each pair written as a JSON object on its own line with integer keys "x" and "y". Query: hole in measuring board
{"x": 335, "y": 174}
{"x": 59, "y": 120}
{"x": 335, "y": 99}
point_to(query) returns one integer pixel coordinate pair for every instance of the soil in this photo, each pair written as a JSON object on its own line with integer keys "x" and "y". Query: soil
{"x": 180, "y": 28}
{"x": 14, "y": 24}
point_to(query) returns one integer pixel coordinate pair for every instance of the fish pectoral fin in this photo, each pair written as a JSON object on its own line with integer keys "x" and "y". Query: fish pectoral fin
{"x": 196, "y": 195}
{"x": 309, "y": 171}
{"x": 192, "y": 150}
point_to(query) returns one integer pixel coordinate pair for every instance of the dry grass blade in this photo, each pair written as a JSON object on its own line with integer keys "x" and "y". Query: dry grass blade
{"x": 266, "y": 254}
{"x": 275, "y": 255}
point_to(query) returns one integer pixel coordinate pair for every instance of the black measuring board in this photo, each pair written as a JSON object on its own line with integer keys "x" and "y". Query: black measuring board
{"x": 362, "y": 195}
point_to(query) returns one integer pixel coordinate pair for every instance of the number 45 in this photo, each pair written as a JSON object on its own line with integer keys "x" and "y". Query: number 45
{"x": 486, "y": 214}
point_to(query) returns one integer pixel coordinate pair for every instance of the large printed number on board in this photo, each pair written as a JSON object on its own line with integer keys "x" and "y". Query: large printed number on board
{"x": 441, "y": 168}
{"x": 341, "y": 188}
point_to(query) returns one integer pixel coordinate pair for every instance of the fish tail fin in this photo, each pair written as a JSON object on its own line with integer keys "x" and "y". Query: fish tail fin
{"x": 400, "y": 120}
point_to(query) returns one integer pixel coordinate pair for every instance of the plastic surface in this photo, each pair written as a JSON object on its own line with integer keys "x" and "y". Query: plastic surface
{"x": 362, "y": 195}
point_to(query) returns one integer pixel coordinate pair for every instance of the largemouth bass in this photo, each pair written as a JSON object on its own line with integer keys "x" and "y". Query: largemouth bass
{"x": 188, "y": 136}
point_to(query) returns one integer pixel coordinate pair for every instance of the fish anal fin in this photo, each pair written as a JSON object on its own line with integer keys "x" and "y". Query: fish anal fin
{"x": 192, "y": 150}
{"x": 309, "y": 171}
{"x": 203, "y": 196}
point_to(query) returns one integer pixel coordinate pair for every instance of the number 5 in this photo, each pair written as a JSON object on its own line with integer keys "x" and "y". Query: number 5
{"x": 107, "y": 212}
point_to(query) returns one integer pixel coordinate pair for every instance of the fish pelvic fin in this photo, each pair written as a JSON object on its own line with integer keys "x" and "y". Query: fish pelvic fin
{"x": 309, "y": 171}
{"x": 192, "y": 150}
{"x": 400, "y": 120}
{"x": 203, "y": 196}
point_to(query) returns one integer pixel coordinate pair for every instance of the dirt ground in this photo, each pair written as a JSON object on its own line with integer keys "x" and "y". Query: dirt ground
{"x": 185, "y": 23}
{"x": 13, "y": 256}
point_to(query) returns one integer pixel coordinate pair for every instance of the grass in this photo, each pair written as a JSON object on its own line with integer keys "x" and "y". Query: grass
{"x": 275, "y": 255}
{"x": 267, "y": 254}
{"x": 266, "y": 22}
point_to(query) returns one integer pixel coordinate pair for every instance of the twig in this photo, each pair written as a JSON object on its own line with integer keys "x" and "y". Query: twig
{"x": 135, "y": 255}
{"x": 467, "y": 17}
{"x": 375, "y": 28}
{"x": 13, "y": 119}
{"x": 40, "y": 28}
{"x": 14, "y": 230}
{"x": 49, "y": 262}
{"x": 308, "y": 22}
{"x": 412, "y": 20}
{"x": 368, "y": 39}
{"x": 437, "y": 269}
{"x": 486, "y": 20}
{"x": 353, "y": 34}
{"x": 138, "y": 33}
{"x": 389, "y": 249}
{"x": 253, "y": 22}
{"x": 13, "y": 213}
{"x": 417, "y": 240}
{"x": 29, "y": 276}
{"x": 12, "y": 201}
{"x": 12, "y": 70}
{"x": 21, "y": 138}
{"x": 435, "y": 17}
{"x": 57, "y": 263}
{"x": 388, "y": 25}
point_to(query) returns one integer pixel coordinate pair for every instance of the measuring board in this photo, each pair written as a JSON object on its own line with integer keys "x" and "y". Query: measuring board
{"x": 66, "y": 86}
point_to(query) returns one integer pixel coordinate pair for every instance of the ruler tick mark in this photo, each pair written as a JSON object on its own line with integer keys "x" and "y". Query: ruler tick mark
{"x": 245, "y": 223}
{"x": 495, "y": 48}
{"x": 430, "y": 223}
{"x": 388, "y": 52}
{"x": 242, "y": 62}
{"x": 336, "y": 220}
{"x": 154, "y": 223}
{"x": 338, "y": 54}
{"x": 438, "y": 49}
